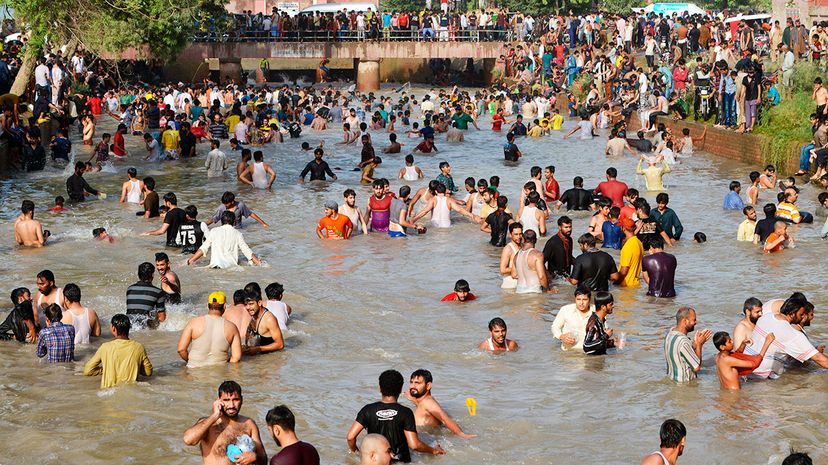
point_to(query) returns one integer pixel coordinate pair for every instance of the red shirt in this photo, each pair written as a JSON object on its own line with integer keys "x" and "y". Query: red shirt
{"x": 497, "y": 122}
{"x": 118, "y": 144}
{"x": 554, "y": 190}
{"x": 627, "y": 211}
{"x": 56, "y": 209}
{"x": 613, "y": 190}
{"x": 453, "y": 297}
{"x": 95, "y": 105}
{"x": 424, "y": 147}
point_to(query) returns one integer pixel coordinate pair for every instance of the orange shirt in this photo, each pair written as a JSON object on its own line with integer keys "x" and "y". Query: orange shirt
{"x": 778, "y": 247}
{"x": 335, "y": 228}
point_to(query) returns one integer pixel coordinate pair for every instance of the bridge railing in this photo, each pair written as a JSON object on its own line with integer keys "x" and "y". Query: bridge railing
{"x": 350, "y": 35}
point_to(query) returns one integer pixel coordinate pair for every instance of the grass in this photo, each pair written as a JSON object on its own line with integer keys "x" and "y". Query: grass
{"x": 786, "y": 128}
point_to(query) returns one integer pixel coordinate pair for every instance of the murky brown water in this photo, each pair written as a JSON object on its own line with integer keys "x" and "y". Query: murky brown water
{"x": 372, "y": 303}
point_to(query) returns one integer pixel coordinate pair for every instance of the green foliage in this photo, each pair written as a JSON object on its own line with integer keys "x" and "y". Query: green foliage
{"x": 622, "y": 6}
{"x": 803, "y": 76}
{"x": 786, "y": 128}
{"x": 580, "y": 87}
{"x": 103, "y": 26}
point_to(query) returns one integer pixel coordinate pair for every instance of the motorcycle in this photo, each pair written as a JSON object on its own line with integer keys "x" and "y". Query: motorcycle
{"x": 704, "y": 103}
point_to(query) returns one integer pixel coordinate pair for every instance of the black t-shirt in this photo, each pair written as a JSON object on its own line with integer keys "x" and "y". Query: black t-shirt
{"x": 391, "y": 421}
{"x": 764, "y": 228}
{"x": 300, "y": 453}
{"x": 751, "y": 88}
{"x": 593, "y": 269}
{"x": 175, "y": 218}
{"x": 499, "y": 224}
{"x": 558, "y": 255}
{"x": 151, "y": 203}
{"x": 188, "y": 141}
{"x": 191, "y": 236}
{"x": 576, "y": 198}
{"x": 649, "y": 228}
{"x": 294, "y": 129}
{"x": 153, "y": 115}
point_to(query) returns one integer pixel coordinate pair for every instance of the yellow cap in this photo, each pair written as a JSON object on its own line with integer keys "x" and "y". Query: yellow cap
{"x": 216, "y": 298}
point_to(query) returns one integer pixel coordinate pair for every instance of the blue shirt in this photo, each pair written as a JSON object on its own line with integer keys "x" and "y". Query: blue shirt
{"x": 58, "y": 342}
{"x": 612, "y": 235}
{"x": 732, "y": 201}
{"x": 773, "y": 96}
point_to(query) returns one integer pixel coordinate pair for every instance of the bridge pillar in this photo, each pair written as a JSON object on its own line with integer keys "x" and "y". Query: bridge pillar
{"x": 368, "y": 76}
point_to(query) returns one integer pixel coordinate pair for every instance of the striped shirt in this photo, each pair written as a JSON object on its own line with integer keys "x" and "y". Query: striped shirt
{"x": 145, "y": 299}
{"x": 218, "y": 131}
{"x": 787, "y": 211}
{"x": 58, "y": 342}
{"x": 681, "y": 358}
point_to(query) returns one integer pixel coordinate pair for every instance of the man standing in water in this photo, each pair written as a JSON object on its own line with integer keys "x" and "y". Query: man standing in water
{"x": 429, "y": 412}
{"x": 28, "y": 232}
{"x": 173, "y": 220}
{"x": 441, "y": 206}
{"x": 263, "y": 333}
{"x": 260, "y": 174}
{"x": 48, "y": 293}
{"x": 527, "y": 267}
{"x": 659, "y": 269}
{"x": 120, "y": 360}
{"x": 394, "y": 421}
{"x": 497, "y": 340}
{"x": 77, "y": 187}
{"x": 218, "y": 431}
{"x": 744, "y": 329}
{"x": 206, "y": 339}
{"x": 282, "y": 426}
{"x": 508, "y": 253}
{"x": 226, "y": 242}
{"x": 317, "y": 168}
{"x": 142, "y": 298}
{"x": 594, "y": 268}
{"x": 558, "y": 250}
{"x": 169, "y": 280}
{"x": 673, "y": 437}
{"x": 684, "y": 357}
{"x": 239, "y": 209}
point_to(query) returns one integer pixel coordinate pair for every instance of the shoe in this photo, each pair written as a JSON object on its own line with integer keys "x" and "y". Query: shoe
{"x": 801, "y": 173}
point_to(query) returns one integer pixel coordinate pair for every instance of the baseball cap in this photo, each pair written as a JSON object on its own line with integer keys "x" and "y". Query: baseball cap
{"x": 332, "y": 205}
{"x": 216, "y": 298}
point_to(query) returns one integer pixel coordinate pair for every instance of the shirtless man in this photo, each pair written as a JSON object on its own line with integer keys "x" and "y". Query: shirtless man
{"x": 353, "y": 212}
{"x": 441, "y": 206}
{"x": 394, "y": 146}
{"x": 497, "y": 340}
{"x": 47, "y": 294}
{"x": 768, "y": 179}
{"x": 243, "y": 163}
{"x": 508, "y": 253}
{"x": 426, "y": 193}
{"x": 237, "y": 314}
{"x": 596, "y": 223}
{"x": 28, "y": 232}
{"x": 744, "y": 329}
{"x": 528, "y": 267}
{"x": 216, "y": 432}
{"x": 211, "y": 327}
{"x": 429, "y": 412}
{"x": 263, "y": 333}
{"x": 730, "y": 363}
{"x": 616, "y": 147}
{"x": 169, "y": 280}
{"x": 820, "y": 97}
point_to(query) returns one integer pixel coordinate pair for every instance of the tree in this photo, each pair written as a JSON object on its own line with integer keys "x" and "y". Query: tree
{"x": 162, "y": 27}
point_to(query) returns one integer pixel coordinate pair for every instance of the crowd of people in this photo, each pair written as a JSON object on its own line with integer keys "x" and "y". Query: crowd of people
{"x": 178, "y": 121}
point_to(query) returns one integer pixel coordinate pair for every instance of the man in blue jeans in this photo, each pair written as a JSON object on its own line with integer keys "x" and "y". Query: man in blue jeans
{"x": 805, "y": 151}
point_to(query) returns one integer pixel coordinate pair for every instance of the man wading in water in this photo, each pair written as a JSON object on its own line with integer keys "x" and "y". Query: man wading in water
{"x": 218, "y": 431}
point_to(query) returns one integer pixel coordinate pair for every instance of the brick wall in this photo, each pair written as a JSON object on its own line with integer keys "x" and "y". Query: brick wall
{"x": 719, "y": 142}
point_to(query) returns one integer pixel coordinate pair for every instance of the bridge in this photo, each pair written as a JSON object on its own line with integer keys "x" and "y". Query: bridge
{"x": 397, "y": 60}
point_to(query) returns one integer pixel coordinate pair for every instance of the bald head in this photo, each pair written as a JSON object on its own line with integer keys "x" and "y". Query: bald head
{"x": 375, "y": 450}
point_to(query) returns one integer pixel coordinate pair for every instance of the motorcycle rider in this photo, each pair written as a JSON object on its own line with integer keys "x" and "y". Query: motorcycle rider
{"x": 701, "y": 80}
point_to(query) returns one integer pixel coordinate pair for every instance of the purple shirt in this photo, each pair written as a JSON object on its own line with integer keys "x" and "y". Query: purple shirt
{"x": 661, "y": 269}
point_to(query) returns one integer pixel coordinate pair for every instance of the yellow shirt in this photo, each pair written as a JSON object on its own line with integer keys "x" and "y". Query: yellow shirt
{"x": 170, "y": 139}
{"x": 746, "y": 230}
{"x": 487, "y": 210}
{"x": 652, "y": 175}
{"x": 631, "y": 255}
{"x": 120, "y": 361}
{"x": 536, "y": 131}
{"x": 557, "y": 122}
{"x": 231, "y": 122}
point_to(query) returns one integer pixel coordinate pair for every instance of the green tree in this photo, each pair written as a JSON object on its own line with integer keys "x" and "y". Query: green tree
{"x": 158, "y": 28}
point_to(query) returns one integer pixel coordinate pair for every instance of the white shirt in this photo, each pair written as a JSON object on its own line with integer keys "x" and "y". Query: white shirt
{"x": 42, "y": 75}
{"x": 215, "y": 163}
{"x": 77, "y": 63}
{"x": 642, "y": 83}
{"x": 57, "y": 75}
{"x": 788, "y": 63}
{"x": 240, "y": 131}
{"x": 226, "y": 241}
{"x": 170, "y": 100}
{"x": 570, "y": 321}
{"x": 789, "y": 343}
{"x": 279, "y": 310}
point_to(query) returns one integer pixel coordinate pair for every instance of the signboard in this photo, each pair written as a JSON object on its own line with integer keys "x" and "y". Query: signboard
{"x": 297, "y": 50}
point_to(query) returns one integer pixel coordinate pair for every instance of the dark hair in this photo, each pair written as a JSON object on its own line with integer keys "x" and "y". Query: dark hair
{"x": 228, "y": 197}
{"x": 734, "y": 185}
{"x": 15, "y": 294}
{"x": 282, "y": 417}
{"x": 132, "y": 172}
{"x": 53, "y": 313}
{"x": 655, "y": 242}
{"x": 238, "y": 297}
{"x": 27, "y": 206}
{"x": 797, "y": 458}
{"x": 663, "y": 198}
{"x": 770, "y": 210}
{"x": 587, "y": 239}
{"x": 603, "y": 298}
{"x": 149, "y": 182}
{"x": 530, "y": 236}
{"x": 462, "y": 286}
{"x": 72, "y": 292}
{"x": 274, "y": 291}
{"x": 643, "y": 205}
{"x": 792, "y": 305}
{"x": 612, "y": 172}
{"x": 59, "y": 200}
{"x": 162, "y": 256}
{"x": 47, "y": 275}
{"x": 121, "y": 324}
{"x": 750, "y": 302}
{"x": 578, "y": 181}
{"x": 229, "y": 387}
{"x": 671, "y": 434}
{"x": 170, "y": 197}
{"x": 700, "y": 237}
{"x": 422, "y": 373}
{"x": 534, "y": 171}
{"x": 551, "y": 169}
{"x": 391, "y": 383}
{"x": 632, "y": 193}
{"x": 497, "y": 322}
{"x": 405, "y": 191}
{"x": 581, "y": 289}
{"x": 754, "y": 175}
{"x": 98, "y": 231}
{"x": 228, "y": 217}
{"x": 564, "y": 220}
{"x": 145, "y": 271}
{"x": 191, "y": 211}
{"x": 720, "y": 339}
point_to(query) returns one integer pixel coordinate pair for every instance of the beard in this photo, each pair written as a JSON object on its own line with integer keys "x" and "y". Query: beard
{"x": 752, "y": 319}
{"x": 228, "y": 414}
{"x": 415, "y": 393}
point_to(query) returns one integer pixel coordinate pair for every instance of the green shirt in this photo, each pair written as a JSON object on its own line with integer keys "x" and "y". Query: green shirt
{"x": 462, "y": 120}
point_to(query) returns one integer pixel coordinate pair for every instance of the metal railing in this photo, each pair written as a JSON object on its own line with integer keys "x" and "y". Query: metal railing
{"x": 350, "y": 35}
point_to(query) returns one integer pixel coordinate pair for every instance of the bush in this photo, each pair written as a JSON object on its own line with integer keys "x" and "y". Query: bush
{"x": 804, "y": 73}
{"x": 786, "y": 127}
